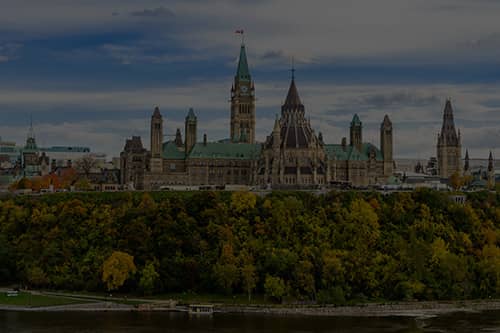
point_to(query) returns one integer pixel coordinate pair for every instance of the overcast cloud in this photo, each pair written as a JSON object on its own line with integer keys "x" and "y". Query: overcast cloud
{"x": 92, "y": 71}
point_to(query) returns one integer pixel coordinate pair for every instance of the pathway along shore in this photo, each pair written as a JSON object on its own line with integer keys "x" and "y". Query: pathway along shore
{"x": 406, "y": 309}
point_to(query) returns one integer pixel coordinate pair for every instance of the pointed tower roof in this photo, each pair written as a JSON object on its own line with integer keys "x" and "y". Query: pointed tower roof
{"x": 448, "y": 132}
{"x": 191, "y": 115}
{"x": 30, "y": 140}
{"x": 466, "y": 164}
{"x": 178, "y": 138}
{"x": 292, "y": 98}
{"x": 387, "y": 121}
{"x": 156, "y": 113}
{"x": 243, "y": 73}
{"x": 276, "y": 124}
{"x": 296, "y": 131}
{"x": 355, "y": 120}
{"x": 490, "y": 162}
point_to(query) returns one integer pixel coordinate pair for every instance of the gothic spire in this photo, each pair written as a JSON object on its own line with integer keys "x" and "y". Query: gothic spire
{"x": 191, "y": 115}
{"x": 156, "y": 113}
{"x": 387, "y": 122}
{"x": 490, "y": 162}
{"x": 448, "y": 131}
{"x": 243, "y": 73}
{"x": 355, "y": 120}
{"x": 292, "y": 99}
{"x": 466, "y": 165}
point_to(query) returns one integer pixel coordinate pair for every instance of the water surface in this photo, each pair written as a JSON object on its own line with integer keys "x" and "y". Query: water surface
{"x": 111, "y": 322}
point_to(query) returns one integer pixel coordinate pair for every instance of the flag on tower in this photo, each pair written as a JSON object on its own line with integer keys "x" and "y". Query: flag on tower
{"x": 239, "y": 32}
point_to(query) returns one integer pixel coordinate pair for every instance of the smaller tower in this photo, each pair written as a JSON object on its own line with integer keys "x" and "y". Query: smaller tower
{"x": 467, "y": 163}
{"x": 491, "y": 171}
{"x": 191, "y": 124}
{"x": 156, "y": 141}
{"x": 178, "y": 139}
{"x": 386, "y": 145}
{"x": 356, "y": 132}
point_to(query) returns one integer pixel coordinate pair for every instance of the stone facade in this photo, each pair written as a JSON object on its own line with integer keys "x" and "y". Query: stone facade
{"x": 292, "y": 156}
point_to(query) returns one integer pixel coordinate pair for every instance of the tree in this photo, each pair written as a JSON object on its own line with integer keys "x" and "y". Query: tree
{"x": 225, "y": 270}
{"x": 149, "y": 276}
{"x": 456, "y": 181}
{"x": 117, "y": 269}
{"x": 243, "y": 201}
{"x": 248, "y": 273}
{"x": 275, "y": 287}
{"x": 86, "y": 164}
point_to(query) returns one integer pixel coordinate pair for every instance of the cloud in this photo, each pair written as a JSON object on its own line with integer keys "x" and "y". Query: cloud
{"x": 416, "y": 112}
{"x": 4, "y": 58}
{"x": 160, "y": 12}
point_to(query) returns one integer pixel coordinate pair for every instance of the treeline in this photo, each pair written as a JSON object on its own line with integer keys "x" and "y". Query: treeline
{"x": 330, "y": 248}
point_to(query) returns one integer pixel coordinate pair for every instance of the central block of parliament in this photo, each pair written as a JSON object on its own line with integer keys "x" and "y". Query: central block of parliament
{"x": 292, "y": 156}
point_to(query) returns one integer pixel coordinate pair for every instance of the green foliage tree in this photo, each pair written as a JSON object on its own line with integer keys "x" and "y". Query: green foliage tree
{"x": 275, "y": 288}
{"x": 148, "y": 279}
{"x": 332, "y": 248}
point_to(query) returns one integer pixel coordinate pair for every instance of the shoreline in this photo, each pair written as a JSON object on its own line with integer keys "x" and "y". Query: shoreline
{"x": 397, "y": 309}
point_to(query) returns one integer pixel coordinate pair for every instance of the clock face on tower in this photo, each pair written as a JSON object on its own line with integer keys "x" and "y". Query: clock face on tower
{"x": 244, "y": 89}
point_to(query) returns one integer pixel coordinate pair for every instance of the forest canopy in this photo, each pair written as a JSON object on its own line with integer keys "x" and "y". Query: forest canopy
{"x": 328, "y": 248}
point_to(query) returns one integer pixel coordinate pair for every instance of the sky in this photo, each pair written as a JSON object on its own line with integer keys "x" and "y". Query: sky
{"x": 90, "y": 72}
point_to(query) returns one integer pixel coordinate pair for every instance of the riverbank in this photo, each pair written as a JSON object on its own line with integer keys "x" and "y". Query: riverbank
{"x": 396, "y": 309}
{"x": 399, "y": 309}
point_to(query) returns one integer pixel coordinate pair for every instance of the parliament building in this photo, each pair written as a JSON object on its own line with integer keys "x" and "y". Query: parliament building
{"x": 292, "y": 156}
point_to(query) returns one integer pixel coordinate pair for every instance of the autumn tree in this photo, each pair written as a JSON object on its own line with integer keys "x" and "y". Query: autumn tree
{"x": 117, "y": 269}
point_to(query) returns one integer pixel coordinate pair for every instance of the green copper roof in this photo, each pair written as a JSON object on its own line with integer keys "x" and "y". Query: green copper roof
{"x": 236, "y": 151}
{"x": 351, "y": 153}
{"x": 355, "y": 121}
{"x": 243, "y": 74}
{"x": 172, "y": 152}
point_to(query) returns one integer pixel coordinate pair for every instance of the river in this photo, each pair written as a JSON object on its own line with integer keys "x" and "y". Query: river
{"x": 114, "y": 322}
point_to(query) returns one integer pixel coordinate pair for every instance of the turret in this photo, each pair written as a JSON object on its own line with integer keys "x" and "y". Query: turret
{"x": 191, "y": 124}
{"x": 178, "y": 138}
{"x": 356, "y": 132}
{"x": 156, "y": 164}
{"x": 466, "y": 163}
{"x": 386, "y": 145}
{"x": 491, "y": 171}
{"x": 156, "y": 133}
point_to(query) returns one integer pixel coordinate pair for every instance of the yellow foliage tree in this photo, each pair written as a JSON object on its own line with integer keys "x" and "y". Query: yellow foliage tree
{"x": 456, "y": 181}
{"x": 116, "y": 269}
{"x": 243, "y": 201}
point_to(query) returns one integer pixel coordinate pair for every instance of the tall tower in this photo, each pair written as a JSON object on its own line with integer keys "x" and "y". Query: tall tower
{"x": 386, "y": 145}
{"x": 156, "y": 141}
{"x": 491, "y": 171}
{"x": 191, "y": 124}
{"x": 449, "y": 146}
{"x": 356, "y": 132}
{"x": 243, "y": 103}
